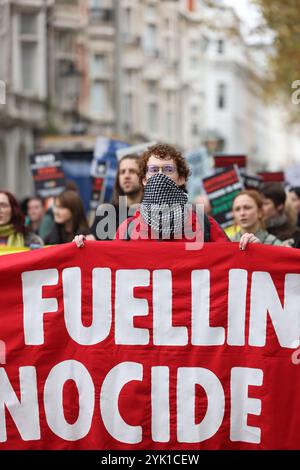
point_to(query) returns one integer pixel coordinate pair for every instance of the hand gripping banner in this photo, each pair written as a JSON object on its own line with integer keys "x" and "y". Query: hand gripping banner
{"x": 148, "y": 346}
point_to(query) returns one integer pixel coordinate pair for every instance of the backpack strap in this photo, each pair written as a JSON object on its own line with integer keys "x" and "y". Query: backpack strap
{"x": 206, "y": 229}
{"x": 206, "y": 222}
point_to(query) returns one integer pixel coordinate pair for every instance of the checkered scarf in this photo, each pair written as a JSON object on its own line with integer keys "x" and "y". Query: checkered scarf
{"x": 162, "y": 206}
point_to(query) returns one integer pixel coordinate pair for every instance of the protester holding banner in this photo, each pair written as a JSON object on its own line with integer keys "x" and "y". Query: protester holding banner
{"x": 164, "y": 172}
{"x": 248, "y": 213}
{"x": 69, "y": 218}
{"x": 277, "y": 219}
{"x": 126, "y": 184}
{"x": 13, "y": 232}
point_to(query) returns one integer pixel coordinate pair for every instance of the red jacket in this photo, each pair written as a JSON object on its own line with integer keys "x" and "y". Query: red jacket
{"x": 140, "y": 228}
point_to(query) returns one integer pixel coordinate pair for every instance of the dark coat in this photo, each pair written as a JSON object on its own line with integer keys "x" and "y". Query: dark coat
{"x": 58, "y": 235}
{"x": 281, "y": 228}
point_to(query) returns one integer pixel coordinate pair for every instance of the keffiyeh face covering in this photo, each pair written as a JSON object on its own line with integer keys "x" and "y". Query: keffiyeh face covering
{"x": 162, "y": 206}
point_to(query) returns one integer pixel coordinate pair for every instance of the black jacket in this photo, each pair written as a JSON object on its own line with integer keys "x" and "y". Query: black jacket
{"x": 58, "y": 235}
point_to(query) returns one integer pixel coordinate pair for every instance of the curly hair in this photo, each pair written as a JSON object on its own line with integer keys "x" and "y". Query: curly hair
{"x": 164, "y": 152}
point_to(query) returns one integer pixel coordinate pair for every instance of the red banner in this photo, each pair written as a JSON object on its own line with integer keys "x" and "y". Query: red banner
{"x": 148, "y": 346}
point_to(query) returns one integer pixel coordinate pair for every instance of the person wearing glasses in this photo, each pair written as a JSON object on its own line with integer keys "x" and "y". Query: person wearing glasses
{"x": 162, "y": 214}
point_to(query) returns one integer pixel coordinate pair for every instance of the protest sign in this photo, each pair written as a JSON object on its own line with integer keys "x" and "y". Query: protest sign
{"x": 107, "y": 349}
{"x": 48, "y": 175}
{"x": 106, "y": 152}
{"x": 227, "y": 161}
{"x": 221, "y": 190}
{"x": 98, "y": 185}
{"x": 272, "y": 176}
{"x": 250, "y": 181}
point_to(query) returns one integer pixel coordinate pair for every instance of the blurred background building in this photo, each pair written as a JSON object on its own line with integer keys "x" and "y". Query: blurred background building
{"x": 142, "y": 70}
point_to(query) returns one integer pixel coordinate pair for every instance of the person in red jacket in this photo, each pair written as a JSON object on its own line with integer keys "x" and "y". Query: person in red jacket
{"x": 163, "y": 213}
{"x": 182, "y": 223}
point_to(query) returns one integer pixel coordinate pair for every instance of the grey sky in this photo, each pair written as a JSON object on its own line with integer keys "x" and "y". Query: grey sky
{"x": 247, "y": 11}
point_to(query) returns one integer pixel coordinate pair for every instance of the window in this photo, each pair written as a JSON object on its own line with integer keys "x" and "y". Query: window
{"x": 3, "y": 166}
{"x": 28, "y": 24}
{"x": 221, "y": 96}
{"x": 194, "y": 46}
{"x": 96, "y": 3}
{"x": 169, "y": 96}
{"x": 99, "y": 12}
{"x": 24, "y": 175}
{"x": 65, "y": 41}
{"x": 152, "y": 87}
{"x": 98, "y": 64}
{"x": 194, "y": 110}
{"x": 168, "y": 48}
{"x": 150, "y": 13}
{"x": 220, "y": 46}
{"x": 28, "y": 66}
{"x": 127, "y": 21}
{"x": 67, "y": 84}
{"x": 195, "y": 135}
{"x": 2, "y": 92}
{"x": 150, "y": 38}
{"x": 98, "y": 98}
{"x": 169, "y": 125}
{"x": 193, "y": 62}
{"x": 4, "y": 38}
{"x": 204, "y": 43}
{"x": 167, "y": 23}
{"x": 3, "y": 19}
{"x": 194, "y": 130}
{"x": 28, "y": 43}
{"x": 128, "y": 78}
{"x": 152, "y": 117}
{"x": 128, "y": 109}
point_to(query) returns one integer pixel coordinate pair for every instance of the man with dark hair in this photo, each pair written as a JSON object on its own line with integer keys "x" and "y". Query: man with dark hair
{"x": 127, "y": 184}
{"x": 127, "y": 180}
{"x": 276, "y": 218}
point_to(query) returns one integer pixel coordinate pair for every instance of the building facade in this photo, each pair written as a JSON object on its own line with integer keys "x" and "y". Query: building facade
{"x": 140, "y": 70}
{"x": 23, "y": 70}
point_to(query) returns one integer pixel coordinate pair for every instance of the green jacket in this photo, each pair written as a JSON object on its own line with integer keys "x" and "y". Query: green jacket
{"x": 265, "y": 237}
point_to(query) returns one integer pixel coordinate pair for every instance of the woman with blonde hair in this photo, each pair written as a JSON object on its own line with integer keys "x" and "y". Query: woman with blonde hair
{"x": 248, "y": 214}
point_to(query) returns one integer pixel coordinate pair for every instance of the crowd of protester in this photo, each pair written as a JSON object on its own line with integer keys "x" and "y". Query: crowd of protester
{"x": 270, "y": 215}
